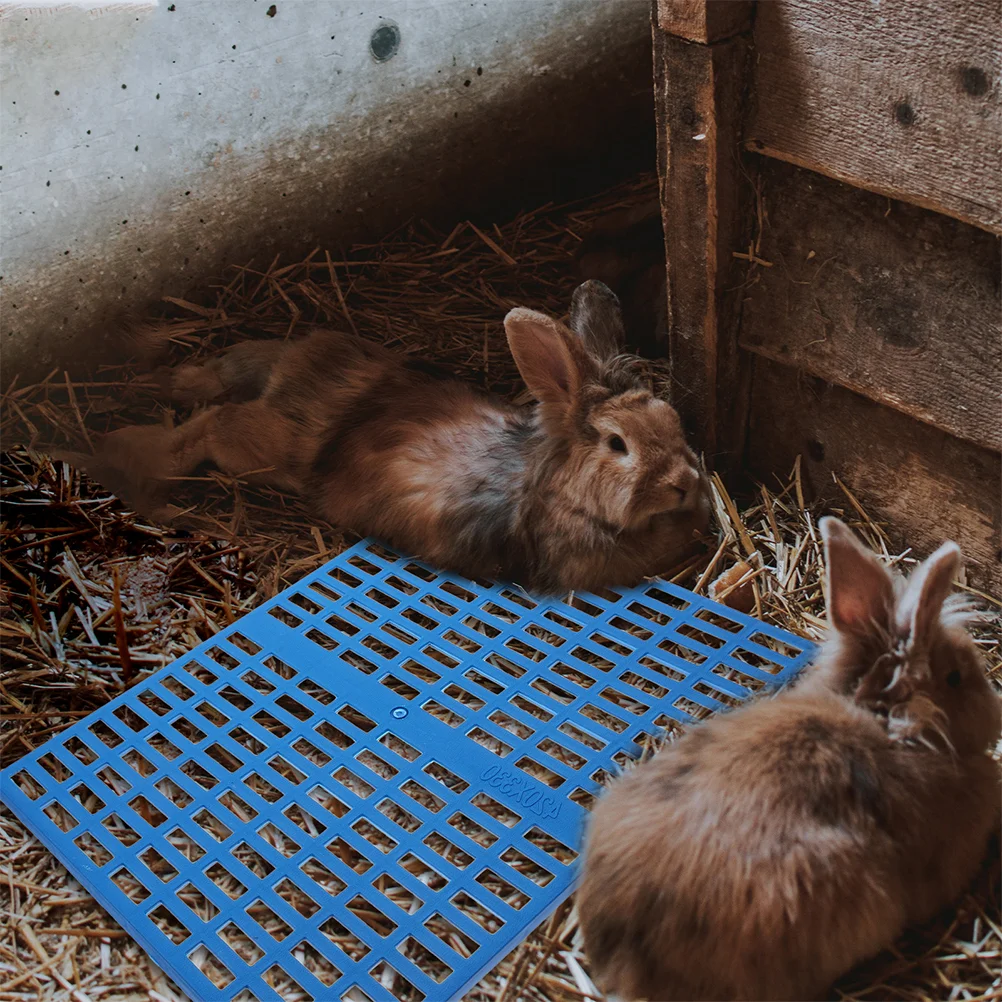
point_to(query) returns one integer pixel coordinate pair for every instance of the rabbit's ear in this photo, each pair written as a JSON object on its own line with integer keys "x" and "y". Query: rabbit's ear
{"x": 927, "y": 591}
{"x": 596, "y": 317}
{"x": 549, "y": 357}
{"x": 860, "y": 591}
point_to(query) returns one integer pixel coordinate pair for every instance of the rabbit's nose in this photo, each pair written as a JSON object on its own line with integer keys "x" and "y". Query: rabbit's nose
{"x": 684, "y": 479}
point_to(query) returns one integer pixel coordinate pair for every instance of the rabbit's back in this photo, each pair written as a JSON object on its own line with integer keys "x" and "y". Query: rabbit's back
{"x": 754, "y": 859}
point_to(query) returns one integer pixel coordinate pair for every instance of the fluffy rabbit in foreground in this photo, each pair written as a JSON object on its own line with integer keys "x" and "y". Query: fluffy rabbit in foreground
{"x": 767, "y": 851}
{"x": 593, "y": 486}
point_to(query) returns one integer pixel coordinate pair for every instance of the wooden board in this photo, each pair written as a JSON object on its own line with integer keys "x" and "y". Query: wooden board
{"x": 704, "y": 20}
{"x": 699, "y": 94}
{"x": 926, "y": 485}
{"x": 901, "y": 97}
{"x": 890, "y": 300}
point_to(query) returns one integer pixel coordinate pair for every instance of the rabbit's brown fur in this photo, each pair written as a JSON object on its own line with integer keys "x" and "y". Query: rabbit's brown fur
{"x": 770, "y": 849}
{"x": 379, "y": 443}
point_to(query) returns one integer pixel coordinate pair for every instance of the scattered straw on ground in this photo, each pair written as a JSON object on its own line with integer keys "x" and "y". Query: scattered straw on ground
{"x": 95, "y": 597}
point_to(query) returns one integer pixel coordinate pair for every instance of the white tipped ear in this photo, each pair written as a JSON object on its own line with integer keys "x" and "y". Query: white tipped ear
{"x": 860, "y": 591}
{"x": 927, "y": 591}
{"x": 547, "y": 355}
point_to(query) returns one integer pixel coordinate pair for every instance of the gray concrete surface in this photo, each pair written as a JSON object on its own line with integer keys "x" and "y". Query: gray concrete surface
{"x": 145, "y": 146}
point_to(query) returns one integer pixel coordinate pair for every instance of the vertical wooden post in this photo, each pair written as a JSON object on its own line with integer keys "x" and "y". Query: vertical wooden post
{"x": 702, "y": 51}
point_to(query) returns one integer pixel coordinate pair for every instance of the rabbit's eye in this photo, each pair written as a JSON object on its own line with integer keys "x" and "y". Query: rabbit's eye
{"x": 953, "y": 679}
{"x": 617, "y": 444}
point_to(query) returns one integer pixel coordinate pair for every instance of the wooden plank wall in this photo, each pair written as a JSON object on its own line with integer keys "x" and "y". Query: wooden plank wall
{"x": 702, "y": 53}
{"x": 895, "y": 302}
{"x": 901, "y": 97}
{"x": 858, "y": 325}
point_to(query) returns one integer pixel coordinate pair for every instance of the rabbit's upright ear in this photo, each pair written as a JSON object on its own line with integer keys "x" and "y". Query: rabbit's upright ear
{"x": 860, "y": 591}
{"x": 550, "y": 358}
{"x": 927, "y": 591}
{"x": 597, "y": 318}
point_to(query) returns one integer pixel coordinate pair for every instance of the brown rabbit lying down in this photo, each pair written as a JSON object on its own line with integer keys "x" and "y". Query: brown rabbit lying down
{"x": 593, "y": 486}
{"x": 770, "y": 849}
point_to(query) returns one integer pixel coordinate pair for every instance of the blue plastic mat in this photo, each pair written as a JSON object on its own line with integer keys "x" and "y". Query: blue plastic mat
{"x": 375, "y": 785}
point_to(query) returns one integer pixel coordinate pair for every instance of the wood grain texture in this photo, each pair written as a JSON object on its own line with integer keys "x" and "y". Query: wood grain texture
{"x": 923, "y": 484}
{"x": 887, "y": 299}
{"x": 902, "y": 97}
{"x": 700, "y": 92}
{"x": 704, "y": 20}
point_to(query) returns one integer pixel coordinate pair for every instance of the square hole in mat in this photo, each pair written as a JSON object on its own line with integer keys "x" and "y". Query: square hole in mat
{"x": 451, "y": 935}
{"x": 423, "y": 796}
{"x": 171, "y": 791}
{"x": 169, "y": 924}
{"x": 258, "y": 785}
{"x": 185, "y": 845}
{"x": 325, "y": 799}
{"x": 226, "y": 881}
{"x": 527, "y": 867}
{"x": 398, "y": 815}
{"x": 224, "y": 757}
{"x": 211, "y": 825}
{"x": 551, "y": 846}
{"x": 151, "y": 814}
{"x": 446, "y": 777}
{"x": 243, "y": 945}
{"x": 273, "y": 924}
{"x": 213, "y": 714}
{"x": 296, "y": 897}
{"x": 395, "y": 983}
{"x": 487, "y": 740}
{"x": 428, "y": 875}
{"x": 336, "y": 737}
{"x": 157, "y": 865}
{"x": 285, "y": 984}
{"x": 211, "y": 966}
{"x": 422, "y": 958}
{"x": 93, "y": 848}
{"x": 371, "y": 833}
{"x": 356, "y": 718}
{"x": 105, "y": 734}
{"x": 238, "y": 807}
{"x": 278, "y": 839}
{"x": 81, "y": 751}
{"x": 163, "y": 746}
{"x": 477, "y": 912}
{"x": 372, "y": 916}
{"x": 394, "y": 891}
{"x": 468, "y": 827}
{"x": 323, "y": 877}
{"x": 87, "y": 798}
{"x": 125, "y": 833}
{"x": 344, "y": 939}
{"x": 316, "y": 963}
{"x": 449, "y": 851}
{"x": 377, "y": 765}
{"x": 503, "y": 889}
{"x": 350, "y": 781}
{"x": 197, "y": 902}
{"x": 54, "y": 767}
{"x": 252, "y": 859}
{"x": 133, "y": 889}
{"x": 305, "y": 821}
{"x": 349, "y": 855}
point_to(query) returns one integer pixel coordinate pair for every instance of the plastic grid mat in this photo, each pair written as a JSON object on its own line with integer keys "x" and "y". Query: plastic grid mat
{"x": 374, "y": 785}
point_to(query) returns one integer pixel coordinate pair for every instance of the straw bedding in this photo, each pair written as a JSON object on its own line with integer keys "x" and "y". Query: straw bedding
{"x": 95, "y": 596}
